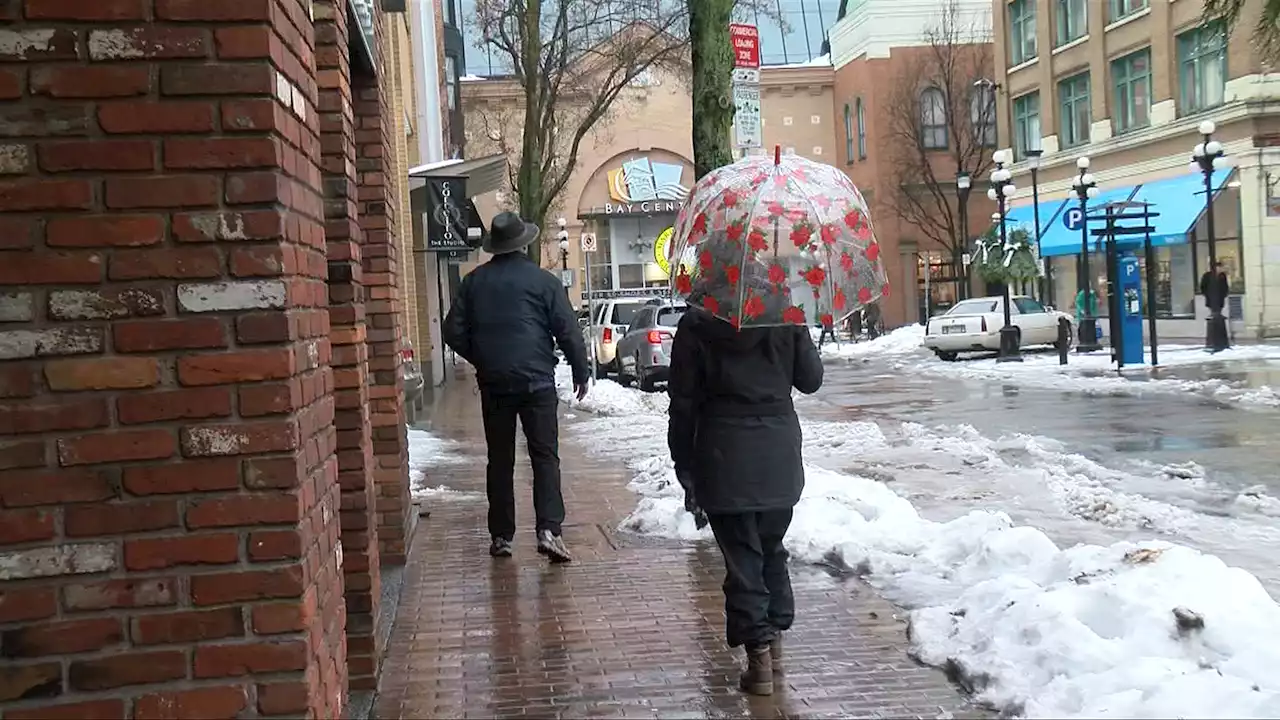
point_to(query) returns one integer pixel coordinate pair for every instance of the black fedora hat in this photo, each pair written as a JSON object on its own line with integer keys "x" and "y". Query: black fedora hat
{"x": 509, "y": 234}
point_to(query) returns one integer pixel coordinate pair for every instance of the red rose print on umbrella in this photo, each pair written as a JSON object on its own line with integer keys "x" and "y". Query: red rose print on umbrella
{"x": 793, "y": 315}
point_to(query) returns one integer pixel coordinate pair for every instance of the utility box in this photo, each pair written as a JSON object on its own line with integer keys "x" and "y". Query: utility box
{"x": 1129, "y": 300}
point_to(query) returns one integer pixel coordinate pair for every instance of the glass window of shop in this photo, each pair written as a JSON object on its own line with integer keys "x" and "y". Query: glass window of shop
{"x": 601, "y": 261}
{"x": 631, "y": 240}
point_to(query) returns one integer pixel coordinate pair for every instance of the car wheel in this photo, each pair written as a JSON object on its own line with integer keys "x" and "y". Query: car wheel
{"x": 602, "y": 372}
{"x": 642, "y": 379}
{"x": 946, "y": 355}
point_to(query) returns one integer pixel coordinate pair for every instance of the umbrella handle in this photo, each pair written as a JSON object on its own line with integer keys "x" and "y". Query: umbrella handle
{"x": 777, "y": 154}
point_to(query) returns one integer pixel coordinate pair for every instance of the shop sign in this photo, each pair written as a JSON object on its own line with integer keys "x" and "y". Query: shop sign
{"x": 665, "y": 245}
{"x": 658, "y": 292}
{"x": 643, "y": 186}
{"x": 447, "y": 219}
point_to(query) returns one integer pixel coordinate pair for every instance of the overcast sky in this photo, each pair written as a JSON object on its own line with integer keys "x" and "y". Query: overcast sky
{"x": 808, "y": 21}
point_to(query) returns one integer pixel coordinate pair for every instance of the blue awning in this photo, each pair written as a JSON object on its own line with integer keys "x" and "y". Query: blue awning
{"x": 1024, "y": 217}
{"x": 1178, "y": 200}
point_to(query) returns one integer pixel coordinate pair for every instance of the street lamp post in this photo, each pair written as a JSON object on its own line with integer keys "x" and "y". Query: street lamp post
{"x": 1033, "y": 162}
{"x": 563, "y": 236}
{"x": 1085, "y": 188}
{"x": 963, "y": 185}
{"x": 1001, "y": 188}
{"x": 1208, "y": 156}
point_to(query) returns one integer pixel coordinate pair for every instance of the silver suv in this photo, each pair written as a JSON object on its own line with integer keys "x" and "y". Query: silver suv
{"x": 613, "y": 317}
{"x": 644, "y": 352}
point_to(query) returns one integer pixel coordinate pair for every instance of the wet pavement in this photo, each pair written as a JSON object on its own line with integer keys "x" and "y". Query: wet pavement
{"x": 634, "y": 628}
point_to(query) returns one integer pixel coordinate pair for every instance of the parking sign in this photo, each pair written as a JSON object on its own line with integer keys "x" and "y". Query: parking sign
{"x": 588, "y": 242}
{"x": 1073, "y": 218}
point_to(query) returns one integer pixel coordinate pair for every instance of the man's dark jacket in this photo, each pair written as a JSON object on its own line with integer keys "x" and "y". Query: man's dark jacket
{"x": 503, "y": 321}
{"x": 1215, "y": 287}
{"x": 733, "y": 429}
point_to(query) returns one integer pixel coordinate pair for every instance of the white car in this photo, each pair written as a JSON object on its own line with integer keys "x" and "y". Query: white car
{"x": 974, "y": 326}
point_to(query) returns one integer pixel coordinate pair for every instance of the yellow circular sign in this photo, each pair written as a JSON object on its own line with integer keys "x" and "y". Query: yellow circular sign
{"x": 662, "y": 250}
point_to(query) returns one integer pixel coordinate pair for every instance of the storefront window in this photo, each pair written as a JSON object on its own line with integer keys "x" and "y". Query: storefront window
{"x": 1175, "y": 281}
{"x": 602, "y": 260}
{"x": 1227, "y": 251}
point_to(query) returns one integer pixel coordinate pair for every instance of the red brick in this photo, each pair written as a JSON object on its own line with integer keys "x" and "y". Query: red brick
{"x": 236, "y": 510}
{"x": 187, "y": 477}
{"x": 193, "y": 404}
{"x": 22, "y": 682}
{"x": 124, "y": 669}
{"x": 210, "y": 702}
{"x": 31, "y": 488}
{"x": 275, "y": 545}
{"x": 236, "y": 367}
{"x": 272, "y": 473}
{"x": 156, "y": 117}
{"x": 244, "y": 41}
{"x": 10, "y": 84}
{"x": 269, "y": 398}
{"x": 105, "y": 230}
{"x": 218, "y": 79}
{"x": 18, "y": 418}
{"x": 27, "y": 603}
{"x": 88, "y": 81}
{"x": 71, "y": 636}
{"x": 220, "y": 153}
{"x": 266, "y": 327}
{"x": 285, "y": 698}
{"x": 262, "y": 261}
{"x": 258, "y": 187}
{"x": 120, "y": 518}
{"x": 104, "y": 373}
{"x": 104, "y": 155}
{"x": 239, "y": 438}
{"x": 172, "y": 334}
{"x": 24, "y": 454}
{"x": 165, "y": 552}
{"x": 20, "y": 526}
{"x": 112, "y": 594}
{"x": 33, "y": 195}
{"x": 242, "y": 586}
{"x": 150, "y": 42}
{"x": 278, "y": 618}
{"x": 80, "y": 11}
{"x": 253, "y": 115}
{"x": 173, "y": 191}
{"x": 96, "y": 709}
{"x": 51, "y": 268}
{"x": 217, "y": 226}
{"x": 186, "y": 627}
{"x": 18, "y": 380}
{"x": 17, "y": 233}
{"x": 169, "y": 263}
{"x": 213, "y": 661}
{"x": 37, "y": 44}
{"x": 118, "y": 446}
{"x": 243, "y": 10}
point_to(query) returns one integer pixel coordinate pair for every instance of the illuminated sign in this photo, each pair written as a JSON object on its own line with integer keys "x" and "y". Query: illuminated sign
{"x": 644, "y": 186}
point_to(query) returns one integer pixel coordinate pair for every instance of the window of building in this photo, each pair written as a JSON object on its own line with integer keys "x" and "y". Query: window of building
{"x": 1123, "y": 8}
{"x": 848, "y": 134}
{"x": 862, "y": 131}
{"x": 982, "y": 113}
{"x": 1131, "y": 75}
{"x": 1022, "y": 31}
{"x": 1026, "y": 124}
{"x": 451, "y": 80}
{"x": 1202, "y": 68}
{"x": 1076, "y": 114}
{"x": 933, "y": 119}
{"x": 1071, "y": 20}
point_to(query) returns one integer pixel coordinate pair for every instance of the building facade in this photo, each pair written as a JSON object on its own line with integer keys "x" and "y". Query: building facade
{"x": 1128, "y": 83}
{"x": 913, "y": 102}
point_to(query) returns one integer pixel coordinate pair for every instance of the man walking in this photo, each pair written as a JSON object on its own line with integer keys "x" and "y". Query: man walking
{"x": 503, "y": 321}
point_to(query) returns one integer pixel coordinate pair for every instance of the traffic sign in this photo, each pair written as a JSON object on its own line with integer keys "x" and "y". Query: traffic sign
{"x": 746, "y": 76}
{"x": 746, "y": 118}
{"x": 746, "y": 45}
{"x": 566, "y": 277}
{"x": 1073, "y": 218}
{"x": 588, "y": 242}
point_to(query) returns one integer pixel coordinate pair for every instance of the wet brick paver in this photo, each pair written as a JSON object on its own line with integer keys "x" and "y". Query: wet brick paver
{"x": 634, "y": 628}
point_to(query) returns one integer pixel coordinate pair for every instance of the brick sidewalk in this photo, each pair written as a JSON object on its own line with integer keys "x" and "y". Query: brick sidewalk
{"x": 634, "y": 628}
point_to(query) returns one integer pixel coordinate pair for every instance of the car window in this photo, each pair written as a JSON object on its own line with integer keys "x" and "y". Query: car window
{"x": 1028, "y": 306}
{"x": 642, "y": 320}
{"x": 624, "y": 313}
{"x": 670, "y": 316}
{"x": 974, "y": 307}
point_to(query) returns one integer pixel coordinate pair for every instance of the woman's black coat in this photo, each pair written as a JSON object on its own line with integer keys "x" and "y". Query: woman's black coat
{"x": 734, "y": 432}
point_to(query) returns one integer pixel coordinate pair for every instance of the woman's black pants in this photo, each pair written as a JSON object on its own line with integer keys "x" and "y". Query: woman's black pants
{"x": 758, "y": 602}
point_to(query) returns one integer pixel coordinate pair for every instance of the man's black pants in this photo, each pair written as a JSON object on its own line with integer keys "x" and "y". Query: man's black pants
{"x": 758, "y": 602}
{"x": 537, "y": 414}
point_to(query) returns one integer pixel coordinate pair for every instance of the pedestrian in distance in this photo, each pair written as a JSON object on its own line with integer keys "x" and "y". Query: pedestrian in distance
{"x": 507, "y": 319}
{"x": 828, "y": 329}
{"x": 735, "y": 439}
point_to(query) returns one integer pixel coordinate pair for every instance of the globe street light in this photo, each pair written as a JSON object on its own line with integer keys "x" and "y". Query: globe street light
{"x": 563, "y": 236}
{"x": 1085, "y": 188}
{"x": 1001, "y": 188}
{"x": 1208, "y": 156}
{"x": 963, "y": 185}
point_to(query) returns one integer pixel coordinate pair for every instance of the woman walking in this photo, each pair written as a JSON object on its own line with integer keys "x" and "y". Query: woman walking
{"x": 735, "y": 439}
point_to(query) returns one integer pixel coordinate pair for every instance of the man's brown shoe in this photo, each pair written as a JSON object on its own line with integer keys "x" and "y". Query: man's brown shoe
{"x": 757, "y": 679}
{"x": 775, "y": 653}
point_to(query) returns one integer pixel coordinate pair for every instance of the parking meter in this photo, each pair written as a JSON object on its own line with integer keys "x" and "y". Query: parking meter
{"x": 1130, "y": 308}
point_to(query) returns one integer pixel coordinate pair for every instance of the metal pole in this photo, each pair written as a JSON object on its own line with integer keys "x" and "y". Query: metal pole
{"x": 1035, "y": 211}
{"x": 1113, "y": 299}
{"x": 1150, "y": 256}
{"x": 1216, "y": 335}
{"x": 440, "y": 300}
{"x": 962, "y": 277}
{"x": 1088, "y": 341}
{"x": 591, "y": 313}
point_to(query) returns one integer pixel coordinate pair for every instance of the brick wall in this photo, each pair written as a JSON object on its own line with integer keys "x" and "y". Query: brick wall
{"x": 348, "y": 335}
{"x": 375, "y": 165}
{"x": 169, "y": 497}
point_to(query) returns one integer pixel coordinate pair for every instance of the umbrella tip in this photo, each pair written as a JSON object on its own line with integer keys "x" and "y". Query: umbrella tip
{"x": 777, "y": 154}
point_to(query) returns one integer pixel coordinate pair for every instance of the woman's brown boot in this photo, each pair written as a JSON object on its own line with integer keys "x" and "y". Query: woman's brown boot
{"x": 757, "y": 679}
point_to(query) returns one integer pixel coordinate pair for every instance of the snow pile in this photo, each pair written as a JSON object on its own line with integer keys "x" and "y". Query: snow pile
{"x": 905, "y": 340}
{"x": 426, "y": 451}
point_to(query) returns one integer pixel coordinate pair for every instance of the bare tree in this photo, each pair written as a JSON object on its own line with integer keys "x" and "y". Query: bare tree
{"x": 941, "y": 121}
